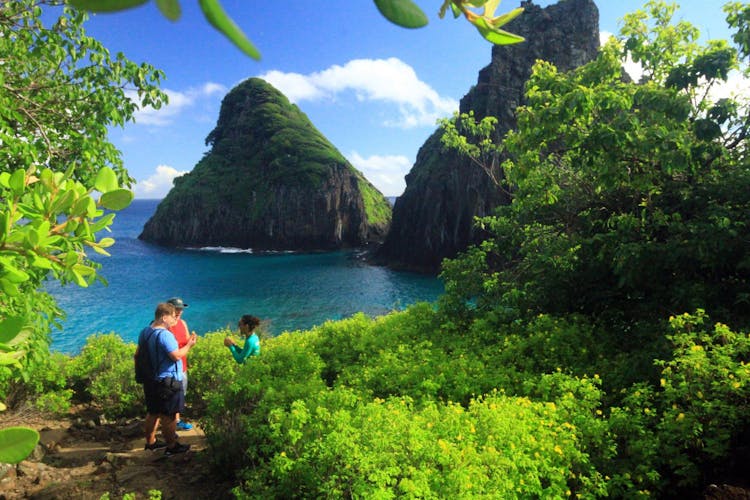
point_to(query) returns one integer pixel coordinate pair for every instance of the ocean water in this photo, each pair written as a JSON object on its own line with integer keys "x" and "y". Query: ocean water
{"x": 287, "y": 291}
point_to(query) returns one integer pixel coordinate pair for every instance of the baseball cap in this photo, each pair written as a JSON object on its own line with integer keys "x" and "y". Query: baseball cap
{"x": 177, "y": 302}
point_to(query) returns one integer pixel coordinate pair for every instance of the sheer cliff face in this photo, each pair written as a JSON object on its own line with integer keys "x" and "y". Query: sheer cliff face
{"x": 270, "y": 182}
{"x": 434, "y": 217}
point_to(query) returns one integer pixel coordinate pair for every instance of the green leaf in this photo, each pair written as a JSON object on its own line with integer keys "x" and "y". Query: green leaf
{"x": 63, "y": 203}
{"x": 5, "y": 225}
{"x": 41, "y": 263}
{"x": 4, "y": 178}
{"x": 404, "y": 13}
{"x": 100, "y": 250}
{"x": 170, "y": 9}
{"x": 106, "y": 5}
{"x": 11, "y": 359}
{"x": 78, "y": 279}
{"x": 106, "y": 242}
{"x": 81, "y": 206}
{"x": 14, "y": 275}
{"x": 117, "y": 199}
{"x": 102, "y": 223}
{"x": 106, "y": 180}
{"x": 32, "y": 237}
{"x": 17, "y": 443}
{"x": 490, "y": 7}
{"x": 219, "y": 19}
{"x": 91, "y": 210}
{"x": 43, "y": 232}
{"x": 9, "y": 288}
{"x": 506, "y": 18}
{"x": 17, "y": 181}
{"x": 10, "y": 327}
{"x": 456, "y": 11}
{"x": 494, "y": 35}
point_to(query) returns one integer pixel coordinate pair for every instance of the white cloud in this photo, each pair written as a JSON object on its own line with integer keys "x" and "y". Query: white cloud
{"x": 159, "y": 183}
{"x": 384, "y": 80}
{"x": 178, "y": 102}
{"x": 212, "y": 88}
{"x": 294, "y": 86}
{"x": 385, "y": 172}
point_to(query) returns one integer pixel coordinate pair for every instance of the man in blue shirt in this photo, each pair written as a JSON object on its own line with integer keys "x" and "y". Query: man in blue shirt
{"x": 163, "y": 391}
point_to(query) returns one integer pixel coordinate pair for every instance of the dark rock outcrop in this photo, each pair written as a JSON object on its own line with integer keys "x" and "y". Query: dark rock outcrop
{"x": 271, "y": 181}
{"x": 434, "y": 218}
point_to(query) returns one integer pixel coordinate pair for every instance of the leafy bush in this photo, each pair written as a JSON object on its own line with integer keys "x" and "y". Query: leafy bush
{"x": 56, "y": 403}
{"x": 704, "y": 401}
{"x": 236, "y": 422}
{"x": 103, "y": 375}
{"x": 211, "y": 368}
{"x": 693, "y": 427}
{"x": 338, "y": 446}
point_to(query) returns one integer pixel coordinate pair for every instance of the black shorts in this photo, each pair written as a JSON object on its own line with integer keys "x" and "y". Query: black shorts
{"x": 156, "y": 405}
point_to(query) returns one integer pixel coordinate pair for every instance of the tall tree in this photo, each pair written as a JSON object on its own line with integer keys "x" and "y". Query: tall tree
{"x": 61, "y": 179}
{"x": 629, "y": 198}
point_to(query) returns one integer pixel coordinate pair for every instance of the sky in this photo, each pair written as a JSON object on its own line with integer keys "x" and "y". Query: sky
{"x": 375, "y": 90}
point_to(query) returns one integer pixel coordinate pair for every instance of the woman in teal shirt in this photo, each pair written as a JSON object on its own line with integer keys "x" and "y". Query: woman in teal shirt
{"x": 247, "y": 324}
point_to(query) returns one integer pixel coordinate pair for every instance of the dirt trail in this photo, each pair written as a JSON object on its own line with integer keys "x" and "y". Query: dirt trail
{"x": 84, "y": 457}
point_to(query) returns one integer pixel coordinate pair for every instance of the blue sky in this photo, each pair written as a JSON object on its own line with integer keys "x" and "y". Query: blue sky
{"x": 373, "y": 89}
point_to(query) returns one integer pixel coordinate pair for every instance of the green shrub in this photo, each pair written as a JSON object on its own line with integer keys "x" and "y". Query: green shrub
{"x": 103, "y": 374}
{"x": 693, "y": 427}
{"x": 211, "y": 367}
{"x": 704, "y": 398}
{"x": 236, "y": 421}
{"x": 42, "y": 373}
{"x": 339, "y": 344}
{"x": 634, "y": 473}
{"x": 413, "y": 370}
{"x": 56, "y": 403}
{"x": 500, "y": 447}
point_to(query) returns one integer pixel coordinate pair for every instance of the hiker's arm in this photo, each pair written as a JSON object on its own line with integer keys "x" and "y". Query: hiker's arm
{"x": 237, "y": 353}
{"x": 182, "y": 351}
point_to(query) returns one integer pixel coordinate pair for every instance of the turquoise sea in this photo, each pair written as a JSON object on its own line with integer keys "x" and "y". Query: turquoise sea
{"x": 288, "y": 291}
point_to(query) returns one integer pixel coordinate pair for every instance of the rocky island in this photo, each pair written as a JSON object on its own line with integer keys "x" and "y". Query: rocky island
{"x": 271, "y": 181}
{"x": 434, "y": 218}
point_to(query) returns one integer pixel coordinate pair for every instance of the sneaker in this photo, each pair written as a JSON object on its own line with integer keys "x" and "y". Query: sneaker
{"x": 178, "y": 448}
{"x": 184, "y": 426}
{"x": 155, "y": 445}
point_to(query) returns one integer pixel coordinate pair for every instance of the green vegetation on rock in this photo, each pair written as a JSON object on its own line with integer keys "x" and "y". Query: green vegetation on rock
{"x": 272, "y": 177}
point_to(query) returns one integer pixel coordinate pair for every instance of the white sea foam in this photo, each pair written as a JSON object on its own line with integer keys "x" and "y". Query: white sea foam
{"x": 222, "y": 249}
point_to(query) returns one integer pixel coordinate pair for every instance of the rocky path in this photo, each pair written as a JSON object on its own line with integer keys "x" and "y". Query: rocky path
{"x": 86, "y": 457}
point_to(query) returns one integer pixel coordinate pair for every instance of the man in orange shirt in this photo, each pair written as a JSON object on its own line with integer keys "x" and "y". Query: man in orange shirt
{"x": 181, "y": 334}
